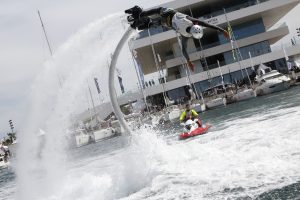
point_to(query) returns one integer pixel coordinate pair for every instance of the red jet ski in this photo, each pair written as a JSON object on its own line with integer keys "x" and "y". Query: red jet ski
{"x": 192, "y": 129}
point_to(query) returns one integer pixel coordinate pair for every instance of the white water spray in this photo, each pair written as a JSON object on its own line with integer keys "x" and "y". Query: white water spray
{"x": 239, "y": 157}
{"x": 84, "y": 55}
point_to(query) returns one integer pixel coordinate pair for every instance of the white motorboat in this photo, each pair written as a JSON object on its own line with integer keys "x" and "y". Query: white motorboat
{"x": 3, "y": 162}
{"x": 244, "y": 94}
{"x": 82, "y": 137}
{"x": 215, "y": 97}
{"x": 270, "y": 81}
{"x": 104, "y": 134}
{"x": 4, "y": 156}
{"x": 217, "y": 102}
{"x": 173, "y": 113}
{"x": 198, "y": 107}
{"x": 166, "y": 115}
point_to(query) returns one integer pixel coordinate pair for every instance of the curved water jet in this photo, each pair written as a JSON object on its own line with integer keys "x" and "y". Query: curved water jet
{"x": 111, "y": 79}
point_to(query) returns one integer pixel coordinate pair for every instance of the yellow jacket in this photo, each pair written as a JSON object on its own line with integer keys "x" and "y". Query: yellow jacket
{"x": 186, "y": 114}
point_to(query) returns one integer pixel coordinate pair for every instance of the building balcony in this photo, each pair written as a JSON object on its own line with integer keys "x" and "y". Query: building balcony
{"x": 270, "y": 11}
{"x": 278, "y": 53}
{"x": 271, "y": 36}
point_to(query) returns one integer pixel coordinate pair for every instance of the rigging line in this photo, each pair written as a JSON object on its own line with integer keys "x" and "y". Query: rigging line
{"x": 238, "y": 51}
{"x": 201, "y": 57}
{"x": 187, "y": 70}
{"x": 139, "y": 79}
{"x": 157, "y": 67}
{"x": 49, "y": 47}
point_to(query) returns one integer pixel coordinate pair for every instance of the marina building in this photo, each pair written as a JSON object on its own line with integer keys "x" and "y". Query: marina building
{"x": 255, "y": 28}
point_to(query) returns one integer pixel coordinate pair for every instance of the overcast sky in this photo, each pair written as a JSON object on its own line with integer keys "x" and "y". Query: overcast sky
{"x": 23, "y": 49}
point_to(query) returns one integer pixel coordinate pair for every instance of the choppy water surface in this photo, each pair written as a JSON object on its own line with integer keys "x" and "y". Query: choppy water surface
{"x": 252, "y": 152}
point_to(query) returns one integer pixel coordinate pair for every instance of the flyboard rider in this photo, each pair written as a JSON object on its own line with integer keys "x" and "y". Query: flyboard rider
{"x": 185, "y": 25}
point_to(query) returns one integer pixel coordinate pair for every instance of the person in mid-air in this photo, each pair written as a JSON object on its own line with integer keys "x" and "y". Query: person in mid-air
{"x": 185, "y": 25}
{"x": 189, "y": 113}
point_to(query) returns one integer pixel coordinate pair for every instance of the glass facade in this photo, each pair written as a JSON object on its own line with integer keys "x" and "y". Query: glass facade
{"x": 240, "y": 31}
{"x": 153, "y": 31}
{"x": 279, "y": 65}
{"x": 227, "y": 57}
{"x": 215, "y": 9}
{"x": 233, "y": 77}
{"x": 179, "y": 94}
{"x": 245, "y": 30}
{"x": 255, "y": 50}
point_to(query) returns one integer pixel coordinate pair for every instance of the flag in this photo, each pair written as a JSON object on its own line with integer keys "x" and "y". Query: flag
{"x": 120, "y": 80}
{"x": 121, "y": 84}
{"x": 97, "y": 85}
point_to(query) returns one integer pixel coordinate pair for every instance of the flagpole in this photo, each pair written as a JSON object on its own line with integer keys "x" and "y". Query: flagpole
{"x": 208, "y": 75}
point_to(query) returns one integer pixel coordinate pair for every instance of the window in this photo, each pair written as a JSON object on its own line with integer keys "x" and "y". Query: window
{"x": 245, "y": 30}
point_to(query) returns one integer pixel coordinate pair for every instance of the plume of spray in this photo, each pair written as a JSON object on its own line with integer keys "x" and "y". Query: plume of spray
{"x": 84, "y": 55}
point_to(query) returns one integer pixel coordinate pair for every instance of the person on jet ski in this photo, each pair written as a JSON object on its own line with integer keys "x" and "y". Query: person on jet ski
{"x": 185, "y": 25}
{"x": 189, "y": 113}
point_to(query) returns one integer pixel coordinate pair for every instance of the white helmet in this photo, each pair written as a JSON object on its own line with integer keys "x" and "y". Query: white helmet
{"x": 197, "y": 31}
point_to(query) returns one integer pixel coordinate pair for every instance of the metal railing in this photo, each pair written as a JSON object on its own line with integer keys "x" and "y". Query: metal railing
{"x": 273, "y": 49}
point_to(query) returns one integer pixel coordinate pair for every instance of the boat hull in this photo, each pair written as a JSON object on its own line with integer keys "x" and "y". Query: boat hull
{"x": 216, "y": 103}
{"x": 269, "y": 88}
{"x": 199, "y": 108}
{"x": 4, "y": 163}
{"x": 83, "y": 139}
{"x": 104, "y": 134}
{"x": 197, "y": 131}
{"x": 244, "y": 95}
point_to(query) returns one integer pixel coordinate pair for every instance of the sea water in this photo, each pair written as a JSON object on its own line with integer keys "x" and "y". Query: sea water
{"x": 251, "y": 152}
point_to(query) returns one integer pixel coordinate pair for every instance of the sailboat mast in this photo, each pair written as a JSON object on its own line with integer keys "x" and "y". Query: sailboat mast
{"x": 48, "y": 43}
{"x": 49, "y": 47}
{"x": 92, "y": 99}
{"x": 236, "y": 50}
{"x": 158, "y": 69}
{"x": 139, "y": 79}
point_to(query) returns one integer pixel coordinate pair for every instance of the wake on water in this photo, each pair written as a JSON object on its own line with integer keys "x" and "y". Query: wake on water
{"x": 238, "y": 158}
